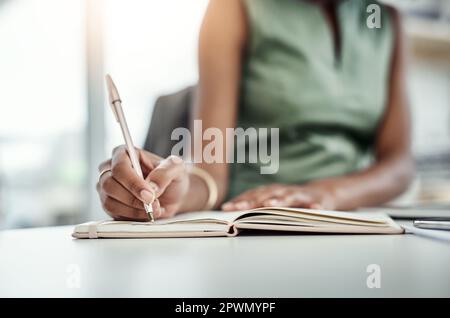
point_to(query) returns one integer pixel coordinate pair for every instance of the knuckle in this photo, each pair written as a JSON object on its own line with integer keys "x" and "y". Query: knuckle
{"x": 105, "y": 164}
{"x": 108, "y": 205}
{"x": 137, "y": 214}
{"x": 163, "y": 169}
{"x": 118, "y": 149}
{"x": 175, "y": 159}
{"x": 135, "y": 202}
{"x": 117, "y": 169}
{"x": 160, "y": 173}
{"x": 108, "y": 185}
{"x": 135, "y": 186}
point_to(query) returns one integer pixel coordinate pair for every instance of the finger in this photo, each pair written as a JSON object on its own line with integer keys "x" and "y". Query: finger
{"x": 169, "y": 211}
{"x": 302, "y": 200}
{"x": 123, "y": 172}
{"x": 248, "y": 204}
{"x": 257, "y": 192}
{"x": 235, "y": 206}
{"x": 254, "y": 198}
{"x": 271, "y": 194}
{"x": 243, "y": 203}
{"x": 112, "y": 188}
{"x": 290, "y": 199}
{"x": 276, "y": 202}
{"x": 171, "y": 169}
{"x": 282, "y": 201}
{"x": 104, "y": 165}
{"x": 148, "y": 160}
{"x": 156, "y": 206}
{"x": 240, "y": 202}
{"x": 244, "y": 196}
{"x": 119, "y": 211}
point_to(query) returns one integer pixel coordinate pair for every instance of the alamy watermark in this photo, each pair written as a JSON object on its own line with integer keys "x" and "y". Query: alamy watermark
{"x": 238, "y": 145}
{"x": 374, "y": 278}
{"x": 73, "y": 280}
{"x": 374, "y": 19}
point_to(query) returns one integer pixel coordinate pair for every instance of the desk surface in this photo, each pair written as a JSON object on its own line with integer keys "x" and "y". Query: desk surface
{"x": 48, "y": 262}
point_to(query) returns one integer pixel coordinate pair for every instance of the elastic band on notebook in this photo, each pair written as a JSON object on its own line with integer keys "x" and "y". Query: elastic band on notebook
{"x": 92, "y": 230}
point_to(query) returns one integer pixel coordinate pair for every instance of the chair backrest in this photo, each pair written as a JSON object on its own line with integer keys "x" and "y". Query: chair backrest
{"x": 170, "y": 112}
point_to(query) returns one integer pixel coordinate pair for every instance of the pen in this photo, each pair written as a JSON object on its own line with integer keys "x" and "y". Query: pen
{"x": 432, "y": 234}
{"x": 116, "y": 105}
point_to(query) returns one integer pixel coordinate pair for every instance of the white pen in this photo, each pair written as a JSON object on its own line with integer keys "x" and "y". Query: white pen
{"x": 116, "y": 105}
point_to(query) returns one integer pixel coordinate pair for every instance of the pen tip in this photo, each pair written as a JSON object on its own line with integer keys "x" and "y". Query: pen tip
{"x": 112, "y": 89}
{"x": 149, "y": 210}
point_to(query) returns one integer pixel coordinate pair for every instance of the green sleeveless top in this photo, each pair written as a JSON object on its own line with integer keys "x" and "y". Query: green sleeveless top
{"x": 327, "y": 108}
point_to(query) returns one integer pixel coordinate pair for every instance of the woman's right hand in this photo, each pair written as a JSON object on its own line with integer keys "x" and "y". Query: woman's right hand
{"x": 123, "y": 193}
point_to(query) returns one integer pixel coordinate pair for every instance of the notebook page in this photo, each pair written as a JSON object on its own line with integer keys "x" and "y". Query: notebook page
{"x": 215, "y": 216}
{"x": 312, "y": 220}
{"x": 184, "y": 222}
{"x": 146, "y": 227}
{"x": 338, "y": 216}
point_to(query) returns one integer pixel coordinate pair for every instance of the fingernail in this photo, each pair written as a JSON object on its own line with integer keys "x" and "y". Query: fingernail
{"x": 176, "y": 159}
{"x": 274, "y": 202}
{"x": 241, "y": 205}
{"x": 147, "y": 196}
{"x": 161, "y": 212}
{"x": 227, "y": 206}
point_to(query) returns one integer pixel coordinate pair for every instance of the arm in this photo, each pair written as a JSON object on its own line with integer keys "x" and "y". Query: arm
{"x": 388, "y": 177}
{"x": 221, "y": 47}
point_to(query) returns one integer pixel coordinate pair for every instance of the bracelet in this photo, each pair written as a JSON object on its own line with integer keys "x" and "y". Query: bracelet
{"x": 213, "y": 192}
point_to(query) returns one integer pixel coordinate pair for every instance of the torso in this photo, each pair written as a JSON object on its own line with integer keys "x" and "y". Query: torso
{"x": 319, "y": 75}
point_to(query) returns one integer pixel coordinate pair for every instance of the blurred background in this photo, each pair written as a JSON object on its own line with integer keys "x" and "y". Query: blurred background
{"x": 56, "y": 126}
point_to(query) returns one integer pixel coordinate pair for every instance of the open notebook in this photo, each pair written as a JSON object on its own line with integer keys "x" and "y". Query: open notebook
{"x": 216, "y": 223}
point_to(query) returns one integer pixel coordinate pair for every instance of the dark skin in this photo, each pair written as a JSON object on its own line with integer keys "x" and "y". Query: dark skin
{"x": 329, "y": 9}
{"x": 178, "y": 191}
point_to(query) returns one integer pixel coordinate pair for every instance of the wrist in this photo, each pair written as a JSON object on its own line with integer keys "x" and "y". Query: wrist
{"x": 210, "y": 184}
{"x": 197, "y": 195}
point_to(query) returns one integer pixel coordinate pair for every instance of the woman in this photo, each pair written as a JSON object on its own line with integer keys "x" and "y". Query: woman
{"x": 314, "y": 69}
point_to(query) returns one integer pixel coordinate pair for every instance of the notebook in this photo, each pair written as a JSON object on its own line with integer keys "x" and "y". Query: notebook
{"x": 218, "y": 223}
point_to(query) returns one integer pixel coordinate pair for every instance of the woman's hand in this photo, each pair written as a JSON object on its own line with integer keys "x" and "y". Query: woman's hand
{"x": 123, "y": 193}
{"x": 281, "y": 195}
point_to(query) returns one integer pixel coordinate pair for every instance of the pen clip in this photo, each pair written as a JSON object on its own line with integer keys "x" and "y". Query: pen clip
{"x": 113, "y": 94}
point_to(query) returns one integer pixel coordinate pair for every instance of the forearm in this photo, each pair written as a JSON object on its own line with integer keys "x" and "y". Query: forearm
{"x": 221, "y": 46}
{"x": 378, "y": 184}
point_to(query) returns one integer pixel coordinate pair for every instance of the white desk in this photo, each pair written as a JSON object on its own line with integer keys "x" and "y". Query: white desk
{"x": 36, "y": 262}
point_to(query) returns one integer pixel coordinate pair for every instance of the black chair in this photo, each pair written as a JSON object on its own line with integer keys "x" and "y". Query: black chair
{"x": 170, "y": 112}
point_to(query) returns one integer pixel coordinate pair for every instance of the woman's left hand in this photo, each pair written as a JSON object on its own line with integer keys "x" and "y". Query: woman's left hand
{"x": 281, "y": 195}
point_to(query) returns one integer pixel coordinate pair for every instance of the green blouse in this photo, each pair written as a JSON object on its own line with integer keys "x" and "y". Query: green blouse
{"x": 327, "y": 107}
